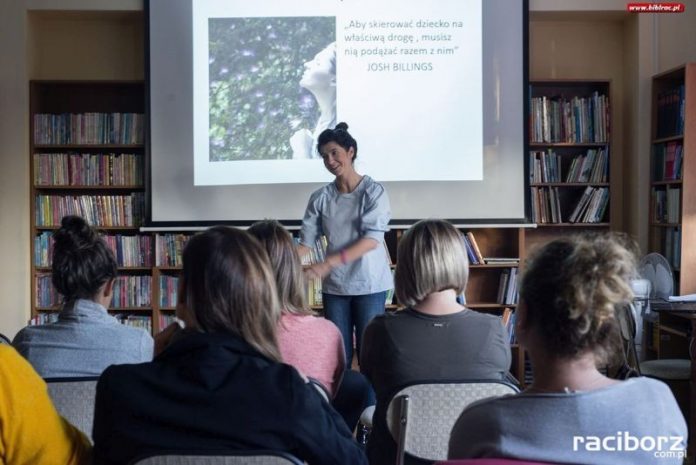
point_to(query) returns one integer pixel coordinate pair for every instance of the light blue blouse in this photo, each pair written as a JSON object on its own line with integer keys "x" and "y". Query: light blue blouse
{"x": 83, "y": 342}
{"x": 344, "y": 219}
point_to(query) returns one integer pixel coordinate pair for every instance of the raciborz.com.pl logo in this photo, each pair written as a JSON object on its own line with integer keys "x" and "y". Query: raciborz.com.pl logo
{"x": 623, "y": 441}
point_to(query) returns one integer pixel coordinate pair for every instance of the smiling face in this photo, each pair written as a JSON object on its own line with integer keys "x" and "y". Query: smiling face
{"x": 337, "y": 160}
{"x": 320, "y": 72}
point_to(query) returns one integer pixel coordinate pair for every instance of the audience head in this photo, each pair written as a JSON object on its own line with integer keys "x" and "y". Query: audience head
{"x": 340, "y": 136}
{"x": 82, "y": 262}
{"x": 431, "y": 257}
{"x": 227, "y": 286}
{"x": 570, "y": 289}
{"x": 286, "y": 262}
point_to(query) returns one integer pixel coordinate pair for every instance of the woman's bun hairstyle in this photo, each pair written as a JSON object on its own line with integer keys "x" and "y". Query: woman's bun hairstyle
{"x": 82, "y": 262}
{"x": 340, "y": 136}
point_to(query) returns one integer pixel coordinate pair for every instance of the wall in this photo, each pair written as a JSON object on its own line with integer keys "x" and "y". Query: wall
{"x": 37, "y": 42}
{"x": 564, "y": 48}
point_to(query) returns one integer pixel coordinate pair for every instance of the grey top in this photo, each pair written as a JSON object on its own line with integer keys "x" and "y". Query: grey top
{"x": 408, "y": 346}
{"x": 543, "y": 427}
{"x": 83, "y": 342}
{"x": 344, "y": 219}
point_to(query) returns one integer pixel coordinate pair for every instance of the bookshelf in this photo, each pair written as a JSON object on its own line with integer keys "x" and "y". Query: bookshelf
{"x": 673, "y": 173}
{"x": 87, "y": 158}
{"x": 569, "y": 156}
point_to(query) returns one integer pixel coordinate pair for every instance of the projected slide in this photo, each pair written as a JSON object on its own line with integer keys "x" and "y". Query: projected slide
{"x": 270, "y": 76}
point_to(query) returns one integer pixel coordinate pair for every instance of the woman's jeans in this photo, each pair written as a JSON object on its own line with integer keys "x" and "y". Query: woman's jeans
{"x": 353, "y": 311}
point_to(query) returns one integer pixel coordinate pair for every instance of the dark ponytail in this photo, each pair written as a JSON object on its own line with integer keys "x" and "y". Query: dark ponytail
{"x": 82, "y": 262}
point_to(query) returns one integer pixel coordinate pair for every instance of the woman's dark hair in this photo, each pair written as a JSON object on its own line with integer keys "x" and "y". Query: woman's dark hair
{"x": 340, "y": 136}
{"x": 286, "y": 264}
{"x": 571, "y": 287}
{"x": 228, "y": 286}
{"x": 82, "y": 262}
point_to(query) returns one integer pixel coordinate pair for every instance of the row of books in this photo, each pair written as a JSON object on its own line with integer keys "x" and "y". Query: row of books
{"x": 546, "y": 205}
{"x": 666, "y": 204}
{"x": 168, "y": 290}
{"x": 88, "y": 169}
{"x": 546, "y": 167}
{"x": 169, "y": 249}
{"x": 316, "y": 254}
{"x": 165, "y": 319}
{"x": 472, "y": 249}
{"x": 592, "y": 167}
{"x": 508, "y": 318}
{"x": 136, "y": 321}
{"x": 98, "y": 210}
{"x": 578, "y": 120}
{"x": 507, "y": 287}
{"x": 132, "y": 291}
{"x": 667, "y": 160}
{"x": 129, "y": 291}
{"x": 43, "y": 319}
{"x": 130, "y": 251}
{"x": 670, "y": 112}
{"x": 672, "y": 246}
{"x": 89, "y": 128}
{"x": 591, "y": 206}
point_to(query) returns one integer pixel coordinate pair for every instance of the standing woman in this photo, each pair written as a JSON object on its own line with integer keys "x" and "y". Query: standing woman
{"x": 353, "y": 213}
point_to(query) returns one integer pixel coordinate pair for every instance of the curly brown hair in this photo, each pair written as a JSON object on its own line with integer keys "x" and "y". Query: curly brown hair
{"x": 571, "y": 287}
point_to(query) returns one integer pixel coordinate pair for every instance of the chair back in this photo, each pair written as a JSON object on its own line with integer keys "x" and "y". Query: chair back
{"x": 74, "y": 400}
{"x": 321, "y": 389}
{"x": 421, "y": 416}
{"x": 231, "y": 458}
{"x": 490, "y": 462}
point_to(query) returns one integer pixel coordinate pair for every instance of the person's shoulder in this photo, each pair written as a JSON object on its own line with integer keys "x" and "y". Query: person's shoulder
{"x": 324, "y": 191}
{"x": 373, "y": 188}
{"x": 646, "y": 387}
{"x": 9, "y": 356}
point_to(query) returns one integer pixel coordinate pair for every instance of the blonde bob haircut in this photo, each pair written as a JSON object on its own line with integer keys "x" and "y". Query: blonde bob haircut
{"x": 431, "y": 257}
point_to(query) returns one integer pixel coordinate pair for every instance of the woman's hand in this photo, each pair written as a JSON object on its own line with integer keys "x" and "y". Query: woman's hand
{"x": 318, "y": 270}
{"x": 164, "y": 337}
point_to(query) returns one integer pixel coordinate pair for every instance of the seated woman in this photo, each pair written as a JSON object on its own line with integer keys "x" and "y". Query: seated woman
{"x": 312, "y": 345}
{"x": 219, "y": 385}
{"x": 572, "y": 413}
{"x": 32, "y": 431}
{"x": 85, "y": 339}
{"x": 434, "y": 337}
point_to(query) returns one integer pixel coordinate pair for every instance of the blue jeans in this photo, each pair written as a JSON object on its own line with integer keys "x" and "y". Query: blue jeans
{"x": 353, "y": 311}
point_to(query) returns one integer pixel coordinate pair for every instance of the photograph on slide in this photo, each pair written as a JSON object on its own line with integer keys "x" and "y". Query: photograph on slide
{"x": 270, "y": 79}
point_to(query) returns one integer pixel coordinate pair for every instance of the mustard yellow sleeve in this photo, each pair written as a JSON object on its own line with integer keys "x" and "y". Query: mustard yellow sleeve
{"x": 31, "y": 431}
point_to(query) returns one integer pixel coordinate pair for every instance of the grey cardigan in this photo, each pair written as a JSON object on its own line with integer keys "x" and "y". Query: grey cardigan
{"x": 83, "y": 342}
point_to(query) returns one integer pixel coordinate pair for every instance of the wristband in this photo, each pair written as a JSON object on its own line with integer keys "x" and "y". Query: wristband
{"x": 344, "y": 259}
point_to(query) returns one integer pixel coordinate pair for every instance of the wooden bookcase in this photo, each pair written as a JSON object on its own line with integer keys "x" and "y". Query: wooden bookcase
{"x": 673, "y": 173}
{"x": 83, "y": 154}
{"x": 569, "y": 128}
